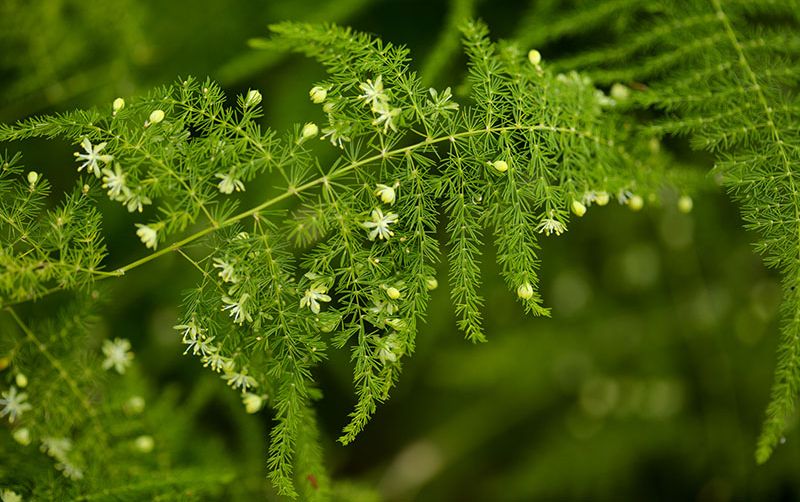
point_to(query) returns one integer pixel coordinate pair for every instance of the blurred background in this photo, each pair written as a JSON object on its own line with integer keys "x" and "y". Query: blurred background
{"x": 649, "y": 382}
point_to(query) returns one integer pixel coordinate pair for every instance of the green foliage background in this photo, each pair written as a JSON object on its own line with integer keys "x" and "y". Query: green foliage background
{"x": 648, "y": 383}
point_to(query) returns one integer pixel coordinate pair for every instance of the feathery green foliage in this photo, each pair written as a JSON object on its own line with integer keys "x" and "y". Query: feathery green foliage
{"x": 342, "y": 255}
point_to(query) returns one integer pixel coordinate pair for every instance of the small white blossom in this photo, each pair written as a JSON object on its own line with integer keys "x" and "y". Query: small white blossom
{"x": 135, "y": 201}
{"x": 191, "y": 331}
{"x": 237, "y": 309}
{"x": 373, "y": 93}
{"x": 201, "y": 345}
{"x": 229, "y": 183}
{"x": 118, "y": 355}
{"x": 386, "y": 193}
{"x": 226, "y": 271}
{"x": 551, "y": 226}
{"x": 70, "y": 470}
{"x": 379, "y": 226}
{"x": 337, "y": 134}
{"x": 115, "y": 182}
{"x": 13, "y": 404}
{"x": 217, "y": 362}
{"x": 240, "y": 380}
{"x": 56, "y": 447}
{"x": 386, "y": 117}
{"x": 313, "y": 296}
{"x": 92, "y": 156}
{"x": 148, "y": 235}
{"x": 441, "y": 102}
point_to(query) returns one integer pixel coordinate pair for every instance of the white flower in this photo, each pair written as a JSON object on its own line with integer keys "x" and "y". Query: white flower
{"x": 386, "y": 193}
{"x": 115, "y": 182}
{"x": 201, "y": 345}
{"x": 118, "y": 355}
{"x": 148, "y": 235}
{"x": 317, "y": 94}
{"x": 134, "y": 201}
{"x": 386, "y": 117}
{"x": 229, "y": 183}
{"x": 217, "y": 362}
{"x": 379, "y": 226}
{"x": 10, "y": 496}
{"x": 56, "y": 447}
{"x": 191, "y": 331}
{"x": 92, "y": 156}
{"x": 337, "y": 134}
{"x": 252, "y": 402}
{"x": 313, "y": 296}
{"x": 70, "y": 470}
{"x": 226, "y": 271}
{"x": 237, "y": 309}
{"x": 441, "y": 102}
{"x": 240, "y": 380}
{"x": 373, "y": 93}
{"x": 13, "y": 404}
{"x": 551, "y": 226}
{"x": 253, "y": 98}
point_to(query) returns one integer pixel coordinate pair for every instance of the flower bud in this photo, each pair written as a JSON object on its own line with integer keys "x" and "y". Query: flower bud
{"x": 252, "y": 402}
{"x": 578, "y": 208}
{"x": 636, "y": 203}
{"x": 134, "y": 405}
{"x": 317, "y": 94}
{"x": 22, "y": 380}
{"x": 33, "y": 177}
{"x": 393, "y": 293}
{"x": 253, "y": 98}
{"x": 535, "y": 57}
{"x": 685, "y": 204}
{"x": 386, "y": 193}
{"x": 620, "y": 92}
{"x": 309, "y": 131}
{"x": 22, "y": 436}
{"x": 525, "y": 291}
{"x": 117, "y": 105}
{"x": 601, "y": 198}
{"x": 156, "y": 117}
{"x": 144, "y": 444}
{"x": 431, "y": 283}
{"x": 500, "y": 165}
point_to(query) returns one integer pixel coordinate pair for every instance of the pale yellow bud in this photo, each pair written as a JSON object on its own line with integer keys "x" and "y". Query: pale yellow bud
{"x": 685, "y": 204}
{"x": 33, "y": 177}
{"x": 386, "y": 193}
{"x": 578, "y": 208}
{"x": 620, "y": 92}
{"x": 22, "y": 380}
{"x": 22, "y": 436}
{"x": 535, "y": 57}
{"x": 431, "y": 283}
{"x": 309, "y": 131}
{"x": 156, "y": 117}
{"x": 253, "y": 98}
{"x": 252, "y": 402}
{"x": 636, "y": 203}
{"x": 393, "y": 293}
{"x": 134, "y": 406}
{"x": 500, "y": 165}
{"x": 144, "y": 444}
{"x": 317, "y": 94}
{"x": 601, "y": 198}
{"x": 118, "y": 105}
{"x": 525, "y": 291}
